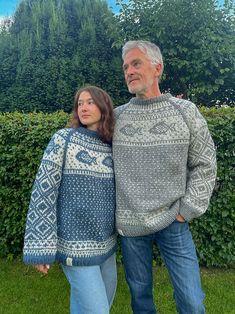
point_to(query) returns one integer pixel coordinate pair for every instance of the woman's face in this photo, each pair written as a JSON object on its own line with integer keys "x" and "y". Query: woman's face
{"x": 88, "y": 112}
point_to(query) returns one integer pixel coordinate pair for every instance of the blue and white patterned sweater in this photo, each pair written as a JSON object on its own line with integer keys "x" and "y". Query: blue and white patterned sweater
{"x": 72, "y": 207}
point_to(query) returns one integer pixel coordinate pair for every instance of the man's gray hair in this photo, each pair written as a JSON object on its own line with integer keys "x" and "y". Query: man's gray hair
{"x": 151, "y": 50}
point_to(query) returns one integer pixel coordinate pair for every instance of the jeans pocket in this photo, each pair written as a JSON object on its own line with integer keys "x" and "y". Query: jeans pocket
{"x": 177, "y": 227}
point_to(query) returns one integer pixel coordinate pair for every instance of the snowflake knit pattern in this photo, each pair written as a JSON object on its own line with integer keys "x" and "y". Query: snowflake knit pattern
{"x": 72, "y": 208}
{"x": 164, "y": 163}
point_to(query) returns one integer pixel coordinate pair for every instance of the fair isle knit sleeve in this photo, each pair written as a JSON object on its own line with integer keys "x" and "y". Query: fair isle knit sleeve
{"x": 201, "y": 170}
{"x": 40, "y": 241}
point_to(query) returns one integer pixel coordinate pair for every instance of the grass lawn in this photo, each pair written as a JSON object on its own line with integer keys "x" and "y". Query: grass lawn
{"x": 25, "y": 291}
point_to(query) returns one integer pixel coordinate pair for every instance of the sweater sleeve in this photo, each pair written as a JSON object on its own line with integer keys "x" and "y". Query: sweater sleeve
{"x": 41, "y": 225}
{"x": 201, "y": 166}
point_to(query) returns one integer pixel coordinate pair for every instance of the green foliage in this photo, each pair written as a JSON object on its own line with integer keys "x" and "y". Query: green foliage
{"x": 197, "y": 39}
{"x": 52, "y": 48}
{"x": 55, "y": 46}
{"x": 214, "y": 232}
{"x": 23, "y": 138}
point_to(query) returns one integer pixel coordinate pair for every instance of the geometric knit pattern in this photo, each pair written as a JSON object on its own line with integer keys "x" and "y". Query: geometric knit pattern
{"x": 72, "y": 207}
{"x": 164, "y": 162}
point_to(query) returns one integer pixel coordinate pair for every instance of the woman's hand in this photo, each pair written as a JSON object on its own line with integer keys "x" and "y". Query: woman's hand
{"x": 43, "y": 268}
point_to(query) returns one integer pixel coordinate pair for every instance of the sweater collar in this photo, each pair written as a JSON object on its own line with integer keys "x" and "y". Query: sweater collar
{"x": 149, "y": 101}
{"x": 88, "y": 132}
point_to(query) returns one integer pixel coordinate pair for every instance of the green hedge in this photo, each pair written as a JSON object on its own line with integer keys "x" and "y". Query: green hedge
{"x": 214, "y": 232}
{"x": 23, "y": 138}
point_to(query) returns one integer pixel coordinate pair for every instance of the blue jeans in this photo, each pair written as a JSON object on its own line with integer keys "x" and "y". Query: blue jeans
{"x": 92, "y": 287}
{"x": 178, "y": 252}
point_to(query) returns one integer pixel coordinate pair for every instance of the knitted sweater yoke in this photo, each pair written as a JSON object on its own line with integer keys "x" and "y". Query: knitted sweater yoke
{"x": 164, "y": 163}
{"x": 72, "y": 206}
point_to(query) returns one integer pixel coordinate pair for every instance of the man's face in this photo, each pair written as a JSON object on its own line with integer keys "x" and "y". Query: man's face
{"x": 140, "y": 75}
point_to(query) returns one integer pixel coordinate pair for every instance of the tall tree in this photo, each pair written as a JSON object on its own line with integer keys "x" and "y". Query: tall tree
{"x": 197, "y": 39}
{"x": 53, "y": 47}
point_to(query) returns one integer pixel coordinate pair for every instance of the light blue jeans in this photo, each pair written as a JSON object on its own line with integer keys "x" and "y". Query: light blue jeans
{"x": 92, "y": 288}
{"x": 178, "y": 251}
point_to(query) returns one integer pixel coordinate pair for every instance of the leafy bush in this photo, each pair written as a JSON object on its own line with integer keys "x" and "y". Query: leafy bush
{"x": 23, "y": 138}
{"x": 214, "y": 232}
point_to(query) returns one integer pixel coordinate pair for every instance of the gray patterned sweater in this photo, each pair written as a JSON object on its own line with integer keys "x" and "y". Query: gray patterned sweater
{"x": 164, "y": 163}
{"x": 72, "y": 208}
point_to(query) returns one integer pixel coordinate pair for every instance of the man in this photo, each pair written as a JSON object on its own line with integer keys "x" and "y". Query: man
{"x": 165, "y": 169}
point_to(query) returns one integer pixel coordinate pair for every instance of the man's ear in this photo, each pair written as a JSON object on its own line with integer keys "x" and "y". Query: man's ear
{"x": 158, "y": 69}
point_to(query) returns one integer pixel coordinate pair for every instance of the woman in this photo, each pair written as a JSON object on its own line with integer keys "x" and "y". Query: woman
{"x": 71, "y": 212}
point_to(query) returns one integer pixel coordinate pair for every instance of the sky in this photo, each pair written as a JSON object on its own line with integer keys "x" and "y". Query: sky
{"x": 8, "y": 7}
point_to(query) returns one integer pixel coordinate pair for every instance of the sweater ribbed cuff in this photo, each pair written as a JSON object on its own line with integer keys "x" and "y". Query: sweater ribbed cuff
{"x": 189, "y": 212}
{"x": 38, "y": 260}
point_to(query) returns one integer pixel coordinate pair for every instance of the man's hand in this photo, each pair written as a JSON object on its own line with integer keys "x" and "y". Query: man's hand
{"x": 180, "y": 218}
{"x": 43, "y": 268}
